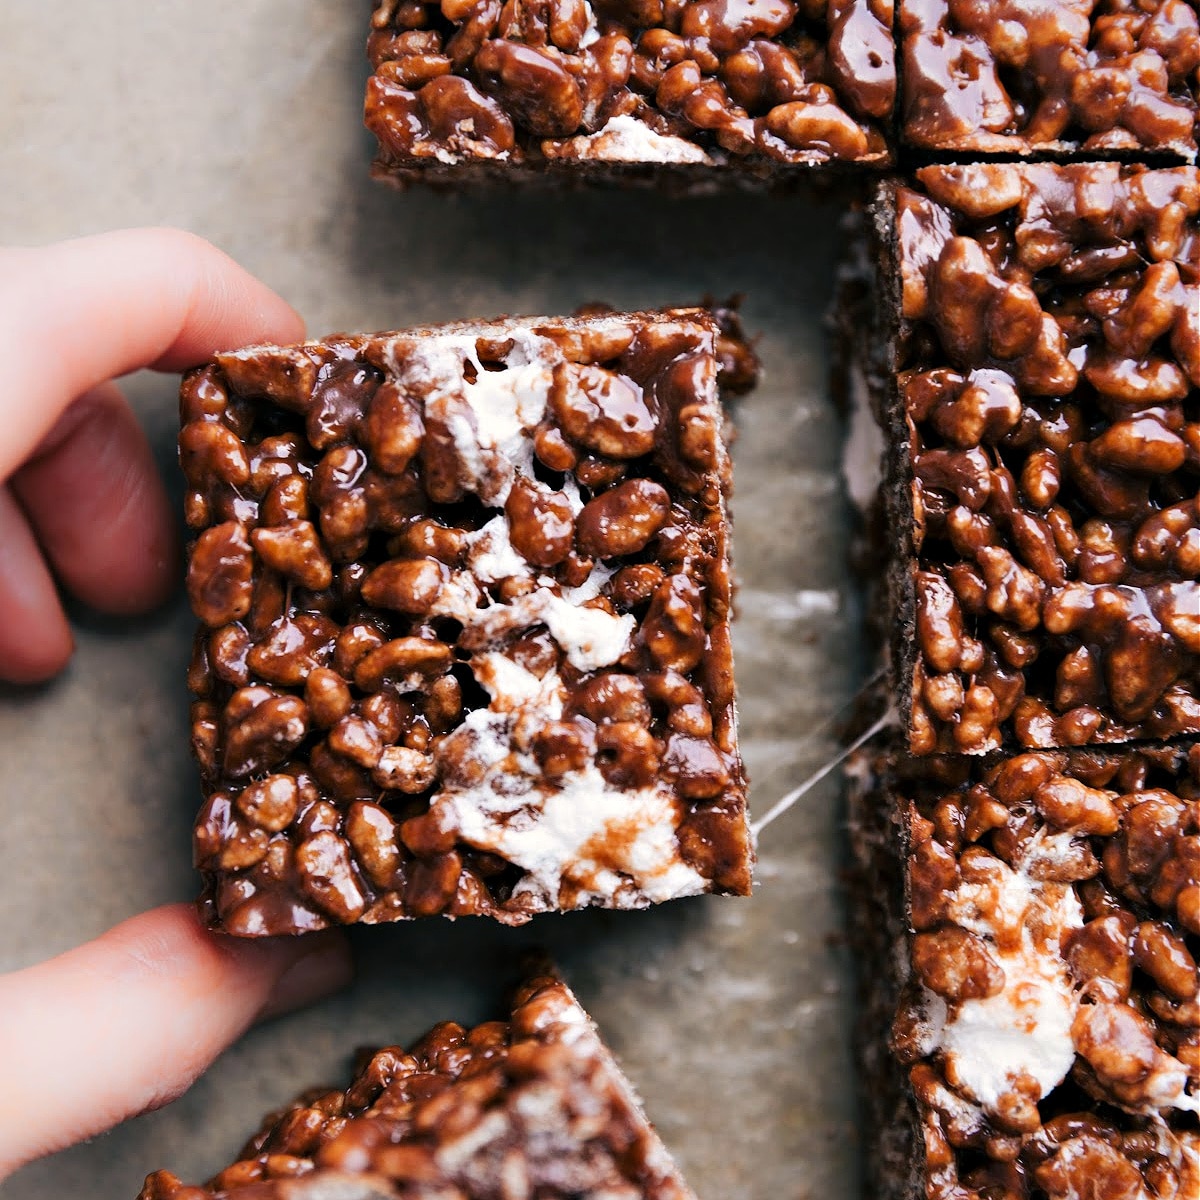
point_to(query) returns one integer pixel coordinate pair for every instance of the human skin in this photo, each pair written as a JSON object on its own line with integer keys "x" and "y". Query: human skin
{"x": 127, "y": 1022}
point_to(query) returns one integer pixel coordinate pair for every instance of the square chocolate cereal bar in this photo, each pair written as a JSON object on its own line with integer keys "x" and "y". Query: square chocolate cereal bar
{"x": 1091, "y": 77}
{"x": 464, "y": 598}
{"x": 1029, "y": 928}
{"x": 628, "y": 88}
{"x": 531, "y": 1106}
{"x": 1036, "y": 367}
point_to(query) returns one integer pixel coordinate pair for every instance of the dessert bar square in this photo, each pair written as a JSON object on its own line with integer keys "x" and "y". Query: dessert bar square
{"x": 628, "y": 88}
{"x": 464, "y": 604}
{"x": 1091, "y": 77}
{"x": 1029, "y": 929}
{"x": 509, "y": 1110}
{"x": 1036, "y": 366}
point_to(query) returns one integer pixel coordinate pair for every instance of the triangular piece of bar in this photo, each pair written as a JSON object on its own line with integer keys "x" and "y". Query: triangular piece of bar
{"x": 535, "y": 1106}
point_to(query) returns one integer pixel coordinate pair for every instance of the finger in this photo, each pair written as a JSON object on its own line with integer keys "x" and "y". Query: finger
{"x": 77, "y": 313}
{"x": 129, "y": 1021}
{"x": 35, "y": 639}
{"x": 98, "y": 507}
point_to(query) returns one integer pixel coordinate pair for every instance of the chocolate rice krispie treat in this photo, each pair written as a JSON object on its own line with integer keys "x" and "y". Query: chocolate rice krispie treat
{"x": 628, "y": 88}
{"x": 464, "y": 604}
{"x": 532, "y": 1107}
{"x": 1034, "y": 360}
{"x": 1028, "y": 929}
{"x": 1092, "y": 77}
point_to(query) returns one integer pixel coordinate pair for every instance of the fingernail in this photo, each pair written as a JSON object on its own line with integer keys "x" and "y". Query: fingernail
{"x": 325, "y": 967}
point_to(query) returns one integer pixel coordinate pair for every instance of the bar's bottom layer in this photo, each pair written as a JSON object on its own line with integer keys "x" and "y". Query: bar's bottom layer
{"x": 673, "y": 178}
{"x": 510, "y": 1110}
{"x": 1028, "y": 928}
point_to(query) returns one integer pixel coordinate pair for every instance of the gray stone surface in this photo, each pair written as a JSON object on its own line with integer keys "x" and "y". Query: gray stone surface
{"x": 239, "y": 119}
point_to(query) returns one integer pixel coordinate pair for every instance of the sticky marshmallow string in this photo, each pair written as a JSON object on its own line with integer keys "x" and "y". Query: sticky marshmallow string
{"x": 792, "y": 798}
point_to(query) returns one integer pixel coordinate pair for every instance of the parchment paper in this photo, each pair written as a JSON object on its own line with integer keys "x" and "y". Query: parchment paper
{"x": 239, "y": 119}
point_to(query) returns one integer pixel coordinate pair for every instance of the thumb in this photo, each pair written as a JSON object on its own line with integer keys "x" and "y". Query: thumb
{"x": 128, "y": 1022}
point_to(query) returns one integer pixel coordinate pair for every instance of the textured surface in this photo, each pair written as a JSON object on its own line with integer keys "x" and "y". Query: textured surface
{"x": 1047, "y": 1015}
{"x": 530, "y": 1105}
{"x": 604, "y": 87}
{"x": 1047, "y": 401}
{"x": 464, "y": 627}
{"x": 730, "y": 1016}
{"x": 1019, "y": 76}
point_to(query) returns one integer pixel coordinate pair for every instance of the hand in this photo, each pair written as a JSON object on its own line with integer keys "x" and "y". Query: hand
{"x": 127, "y": 1022}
